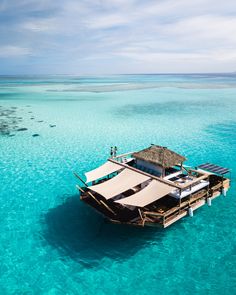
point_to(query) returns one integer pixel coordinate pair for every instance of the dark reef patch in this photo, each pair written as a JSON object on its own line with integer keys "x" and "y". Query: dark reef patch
{"x": 159, "y": 108}
{"x": 11, "y": 119}
{"x": 8, "y": 120}
{"x": 22, "y": 129}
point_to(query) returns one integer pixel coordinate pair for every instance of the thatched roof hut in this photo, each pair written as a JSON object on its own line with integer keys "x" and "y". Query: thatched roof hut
{"x": 159, "y": 155}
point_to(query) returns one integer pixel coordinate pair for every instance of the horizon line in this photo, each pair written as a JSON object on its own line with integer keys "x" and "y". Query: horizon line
{"x": 115, "y": 74}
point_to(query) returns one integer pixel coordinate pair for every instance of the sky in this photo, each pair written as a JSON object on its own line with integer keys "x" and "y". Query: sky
{"x": 88, "y": 37}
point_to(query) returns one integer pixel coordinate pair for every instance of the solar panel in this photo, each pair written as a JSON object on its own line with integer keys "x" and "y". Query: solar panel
{"x": 214, "y": 168}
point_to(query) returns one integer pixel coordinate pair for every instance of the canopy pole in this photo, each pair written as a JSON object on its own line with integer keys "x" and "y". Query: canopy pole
{"x": 182, "y": 167}
{"x": 91, "y": 195}
{"x": 141, "y": 216}
{"x": 99, "y": 202}
{"x": 108, "y": 208}
{"x": 76, "y": 175}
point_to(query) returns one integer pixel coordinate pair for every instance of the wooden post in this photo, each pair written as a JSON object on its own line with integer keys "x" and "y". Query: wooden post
{"x": 140, "y": 214}
{"x": 76, "y": 175}
{"x": 183, "y": 168}
{"x": 180, "y": 191}
{"x": 107, "y": 207}
{"x": 80, "y": 189}
{"x": 222, "y": 180}
{"x": 91, "y": 195}
{"x": 208, "y": 188}
{"x": 163, "y": 157}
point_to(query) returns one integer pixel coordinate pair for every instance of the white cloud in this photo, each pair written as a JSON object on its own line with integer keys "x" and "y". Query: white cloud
{"x": 13, "y": 51}
{"x": 137, "y": 35}
{"x": 107, "y": 21}
{"x": 40, "y": 25}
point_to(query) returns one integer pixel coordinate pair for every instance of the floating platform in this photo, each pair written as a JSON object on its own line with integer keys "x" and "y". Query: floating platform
{"x": 151, "y": 187}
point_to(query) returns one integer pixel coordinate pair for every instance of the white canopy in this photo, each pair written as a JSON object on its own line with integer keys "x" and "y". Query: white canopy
{"x": 125, "y": 180}
{"x": 152, "y": 192}
{"x": 102, "y": 171}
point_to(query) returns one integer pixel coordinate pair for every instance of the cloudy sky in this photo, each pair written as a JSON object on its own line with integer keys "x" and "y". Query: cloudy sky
{"x": 117, "y": 36}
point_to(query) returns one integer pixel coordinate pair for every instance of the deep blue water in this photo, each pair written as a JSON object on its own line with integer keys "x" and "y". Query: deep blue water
{"x": 51, "y": 243}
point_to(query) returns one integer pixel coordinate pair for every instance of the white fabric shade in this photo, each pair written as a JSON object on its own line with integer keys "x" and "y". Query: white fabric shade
{"x": 102, "y": 171}
{"x": 124, "y": 181}
{"x": 152, "y": 192}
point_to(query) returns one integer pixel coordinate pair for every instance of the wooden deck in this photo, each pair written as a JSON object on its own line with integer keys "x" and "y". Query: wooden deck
{"x": 161, "y": 214}
{"x": 197, "y": 200}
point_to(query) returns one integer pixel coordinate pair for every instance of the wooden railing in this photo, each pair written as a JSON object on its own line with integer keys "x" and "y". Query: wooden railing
{"x": 177, "y": 209}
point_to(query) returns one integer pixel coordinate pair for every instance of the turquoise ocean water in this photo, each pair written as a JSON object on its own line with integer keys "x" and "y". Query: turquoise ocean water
{"x": 51, "y": 243}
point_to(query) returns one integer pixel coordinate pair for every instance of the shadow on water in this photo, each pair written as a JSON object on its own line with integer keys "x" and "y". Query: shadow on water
{"x": 80, "y": 233}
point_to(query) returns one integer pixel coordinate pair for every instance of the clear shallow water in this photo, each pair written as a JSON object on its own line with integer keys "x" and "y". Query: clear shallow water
{"x": 52, "y": 244}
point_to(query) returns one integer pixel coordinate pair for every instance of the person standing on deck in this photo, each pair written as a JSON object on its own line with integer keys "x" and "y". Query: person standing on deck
{"x": 112, "y": 152}
{"x": 115, "y": 151}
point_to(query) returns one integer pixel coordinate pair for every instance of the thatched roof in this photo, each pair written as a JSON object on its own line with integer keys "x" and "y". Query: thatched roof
{"x": 159, "y": 155}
